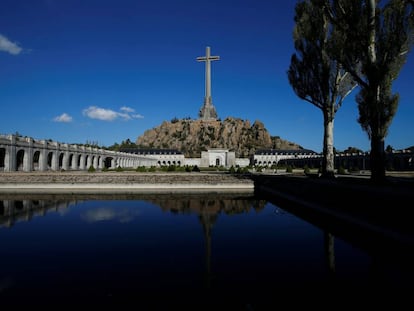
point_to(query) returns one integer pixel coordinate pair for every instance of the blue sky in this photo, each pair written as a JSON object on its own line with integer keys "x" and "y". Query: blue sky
{"x": 105, "y": 71}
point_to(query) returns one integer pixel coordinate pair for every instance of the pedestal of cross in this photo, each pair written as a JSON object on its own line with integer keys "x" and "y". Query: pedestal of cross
{"x": 207, "y": 111}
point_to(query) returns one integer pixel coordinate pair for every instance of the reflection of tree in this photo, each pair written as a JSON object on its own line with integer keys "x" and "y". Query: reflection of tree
{"x": 329, "y": 240}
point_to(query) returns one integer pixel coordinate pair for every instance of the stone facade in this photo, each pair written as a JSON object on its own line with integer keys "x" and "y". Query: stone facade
{"x": 218, "y": 157}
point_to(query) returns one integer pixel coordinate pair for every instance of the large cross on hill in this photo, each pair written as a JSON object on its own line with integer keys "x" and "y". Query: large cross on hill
{"x": 208, "y": 112}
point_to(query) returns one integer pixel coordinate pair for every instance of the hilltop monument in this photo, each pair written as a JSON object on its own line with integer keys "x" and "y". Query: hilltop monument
{"x": 207, "y": 111}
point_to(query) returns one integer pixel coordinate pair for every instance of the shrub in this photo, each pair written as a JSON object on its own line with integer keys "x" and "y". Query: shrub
{"x": 341, "y": 170}
{"x": 141, "y": 169}
{"x": 91, "y": 169}
{"x": 241, "y": 170}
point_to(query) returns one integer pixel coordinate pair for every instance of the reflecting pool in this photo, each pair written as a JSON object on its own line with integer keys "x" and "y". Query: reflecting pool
{"x": 194, "y": 250}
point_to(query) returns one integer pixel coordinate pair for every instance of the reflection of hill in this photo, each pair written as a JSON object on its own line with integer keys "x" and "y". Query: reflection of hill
{"x": 212, "y": 205}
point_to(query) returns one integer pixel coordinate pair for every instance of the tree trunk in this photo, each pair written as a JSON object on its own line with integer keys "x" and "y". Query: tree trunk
{"x": 328, "y": 167}
{"x": 377, "y": 159}
{"x": 377, "y": 155}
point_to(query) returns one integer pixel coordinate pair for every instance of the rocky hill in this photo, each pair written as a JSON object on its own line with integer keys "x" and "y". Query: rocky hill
{"x": 193, "y": 136}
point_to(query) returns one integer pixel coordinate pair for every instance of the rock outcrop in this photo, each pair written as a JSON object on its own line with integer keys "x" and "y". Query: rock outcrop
{"x": 193, "y": 136}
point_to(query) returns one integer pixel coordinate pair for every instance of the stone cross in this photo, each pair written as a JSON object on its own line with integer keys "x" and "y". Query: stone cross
{"x": 208, "y": 110}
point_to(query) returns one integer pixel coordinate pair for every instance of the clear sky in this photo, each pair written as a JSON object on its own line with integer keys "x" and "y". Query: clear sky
{"x": 79, "y": 71}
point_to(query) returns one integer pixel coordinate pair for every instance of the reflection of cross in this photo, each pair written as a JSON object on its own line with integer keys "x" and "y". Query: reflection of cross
{"x": 208, "y": 58}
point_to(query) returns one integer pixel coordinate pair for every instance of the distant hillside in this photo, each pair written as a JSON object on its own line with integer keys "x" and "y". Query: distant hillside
{"x": 193, "y": 136}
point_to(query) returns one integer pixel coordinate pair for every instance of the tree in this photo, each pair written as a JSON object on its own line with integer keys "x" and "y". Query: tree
{"x": 372, "y": 42}
{"x": 353, "y": 150}
{"x": 314, "y": 74}
{"x": 389, "y": 149}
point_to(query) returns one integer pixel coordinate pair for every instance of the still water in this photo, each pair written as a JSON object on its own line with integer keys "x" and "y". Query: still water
{"x": 161, "y": 249}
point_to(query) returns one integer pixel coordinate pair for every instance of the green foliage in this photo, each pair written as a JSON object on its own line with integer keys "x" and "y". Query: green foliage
{"x": 314, "y": 73}
{"x": 242, "y": 170}
{"x": 123, "y": 145}
{"x": 389, "y": 149}
{"x": 306, "y": 169}
{"x": 289, "y": 169}
{"x": 141, "y": 169}
{"x": 341, "y": 170}
{"x": 373, "y": 44}
{"x": 91, "y": 169}
{"x": 352, "y": 150}
{"x": 119, "y": 169}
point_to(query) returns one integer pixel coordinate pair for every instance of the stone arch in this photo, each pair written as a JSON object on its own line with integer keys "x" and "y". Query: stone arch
{"x": 2, "y": 159}
{"x": 83, "y": 161}
{"x": 36, "y": 160}
{"x": 71, "y": 161}
{"x": 50, "y": 158}
{"x": 61, "y": 158}
{"x": 79, "y": 161}
{"x": 95, "y": 161}
{"x": 99, "y": 161}
{"x": 108, "y": 162}
{"x": 87, "y": 161}
{"x": 20, "y": 155}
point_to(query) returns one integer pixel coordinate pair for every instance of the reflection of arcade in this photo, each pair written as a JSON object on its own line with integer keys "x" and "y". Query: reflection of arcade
{"x": 12, "y": 211}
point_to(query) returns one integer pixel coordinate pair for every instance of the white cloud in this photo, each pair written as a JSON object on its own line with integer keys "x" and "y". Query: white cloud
{"x": 10, "y": 47}
{"x": 94, "y": 112}
{"x": 103, "y": 114}
{"x": 110, "y": 214}
{"x": 64, "y": 117}
{"x": 127, "y": 109}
